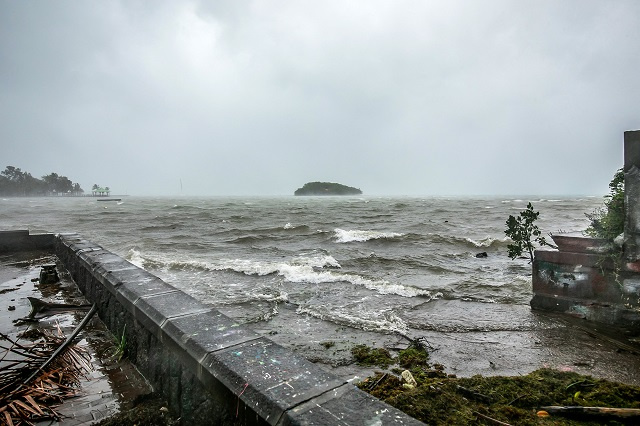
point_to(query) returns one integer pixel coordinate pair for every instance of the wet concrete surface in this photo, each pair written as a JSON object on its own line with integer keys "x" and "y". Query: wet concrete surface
{"x": 111, "y": 385}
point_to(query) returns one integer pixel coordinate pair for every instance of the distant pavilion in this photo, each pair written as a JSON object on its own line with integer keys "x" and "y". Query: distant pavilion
{"x": 101, "y": 192}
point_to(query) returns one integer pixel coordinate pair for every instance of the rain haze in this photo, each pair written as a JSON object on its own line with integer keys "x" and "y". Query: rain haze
{"x": 259, "y": 97}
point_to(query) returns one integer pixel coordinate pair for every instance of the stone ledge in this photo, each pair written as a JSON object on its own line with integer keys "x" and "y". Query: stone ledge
{"x": 268, "y": 378}
{"x": 154, "y": 310}
{"x": 340, "y": 406}
{"x": 201, "y": 333}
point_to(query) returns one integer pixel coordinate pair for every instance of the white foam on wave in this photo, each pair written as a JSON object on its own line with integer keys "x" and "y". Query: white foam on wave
{"x": 384, "y": 321}
{"x": 288, "y": 226}
{"x": 487, "y": 241}
{"x": 301, "y": 269}
{"x": 343, "y": 236}
{"x": 135, "y": 257}
{"x": 316, "y": 260}
{"x": 268, "y": 296}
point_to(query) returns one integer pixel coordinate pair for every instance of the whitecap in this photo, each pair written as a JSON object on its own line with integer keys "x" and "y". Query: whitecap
{"x": 487, "y": 241}
{"x": 316, "y": 260}
{"x": 343, "y": 236}
{"x": 135, "y": 257}
{"x": 364, "y": 320}
{"x": 301, "y": 269}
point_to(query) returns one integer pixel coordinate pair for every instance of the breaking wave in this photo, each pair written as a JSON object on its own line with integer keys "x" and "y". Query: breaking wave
{"x": 343, "y": 236}
{"x": 489, "y": 242}
{"x": 310, "y": 269}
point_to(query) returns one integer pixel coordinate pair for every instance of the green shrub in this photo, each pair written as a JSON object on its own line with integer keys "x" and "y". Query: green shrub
{"x": 608, "y": 222}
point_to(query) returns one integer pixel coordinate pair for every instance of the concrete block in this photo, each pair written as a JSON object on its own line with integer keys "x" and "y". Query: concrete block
{"x": 152, "y": 311}
{"x": 268, "y": 378}
{"x": 347, "y": 406}
{"x": 133, "y": 283}
{"x": 83, "y": 246}
{"x": 198, "y": 334}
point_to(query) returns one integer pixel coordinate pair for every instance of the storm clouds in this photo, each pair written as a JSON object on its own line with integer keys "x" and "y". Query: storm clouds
{"x": 259, "y": 97}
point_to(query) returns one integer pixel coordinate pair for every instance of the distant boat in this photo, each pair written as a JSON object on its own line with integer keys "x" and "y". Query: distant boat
{"x": 109, "y": 199}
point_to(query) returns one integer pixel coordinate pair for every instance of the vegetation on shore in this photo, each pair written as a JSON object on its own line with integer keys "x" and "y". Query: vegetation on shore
{"x": 326, "y": 188}
{"x": 15, "y": 182}
{"x": 441, "y": 399}
{"x": 524, "y": 233}
{"x": 607, "y": 222}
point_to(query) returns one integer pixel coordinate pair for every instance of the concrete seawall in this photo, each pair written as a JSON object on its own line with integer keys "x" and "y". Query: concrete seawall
{"x": 210, "y": 369}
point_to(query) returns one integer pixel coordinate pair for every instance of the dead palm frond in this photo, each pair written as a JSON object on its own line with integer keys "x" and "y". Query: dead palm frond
{"x": 36, "y": 377}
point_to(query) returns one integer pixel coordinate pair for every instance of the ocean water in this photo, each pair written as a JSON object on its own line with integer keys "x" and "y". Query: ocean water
{"x": 325, "y": 268}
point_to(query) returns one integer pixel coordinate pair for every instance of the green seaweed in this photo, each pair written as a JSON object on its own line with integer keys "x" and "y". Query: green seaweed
{"x": 514, "y": 400}
{"x": 366, "y": 356}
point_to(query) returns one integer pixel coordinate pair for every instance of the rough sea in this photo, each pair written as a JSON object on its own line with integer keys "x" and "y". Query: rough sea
{"x": 319, "y": 274}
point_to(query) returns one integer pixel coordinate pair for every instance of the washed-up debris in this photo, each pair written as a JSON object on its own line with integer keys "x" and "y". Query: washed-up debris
{"x": 557, "y": 397}
{"x": 48, "y": 274}
{"x": 427, "y": 393}
{"x": 35, "y": 377}
{"x": 595, "y": 413}
{"x": 40, "y": 308}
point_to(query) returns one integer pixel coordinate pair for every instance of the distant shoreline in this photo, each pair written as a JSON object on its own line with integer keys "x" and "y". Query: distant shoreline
{"x": 65, "y": 196}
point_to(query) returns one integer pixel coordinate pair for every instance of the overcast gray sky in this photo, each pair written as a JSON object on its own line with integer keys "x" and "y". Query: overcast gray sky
{"x": 258, "y": 97}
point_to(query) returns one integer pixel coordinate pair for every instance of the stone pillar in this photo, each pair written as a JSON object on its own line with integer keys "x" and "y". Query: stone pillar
{"x": 632, "y": 195}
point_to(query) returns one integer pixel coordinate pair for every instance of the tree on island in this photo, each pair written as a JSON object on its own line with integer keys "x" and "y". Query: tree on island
{"x": 15, "y": 182}
{"x": 326, "y": 188}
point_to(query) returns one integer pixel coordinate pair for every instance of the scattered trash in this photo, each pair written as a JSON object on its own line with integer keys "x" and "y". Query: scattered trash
{"x": 48, "y": 274}
{"x": 408, "y": 377}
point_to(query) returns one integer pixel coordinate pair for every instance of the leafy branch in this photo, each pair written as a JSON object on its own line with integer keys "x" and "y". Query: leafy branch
{"x": 524, "y": 233}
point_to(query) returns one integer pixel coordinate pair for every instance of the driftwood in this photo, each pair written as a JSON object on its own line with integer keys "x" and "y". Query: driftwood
{"x": 595, "y": 412}
{"x": 420, "y": 343}
{"x": 39, "y": 306}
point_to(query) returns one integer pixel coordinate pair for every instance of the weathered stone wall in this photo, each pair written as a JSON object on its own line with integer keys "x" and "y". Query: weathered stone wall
{"x": 632, "y": 195}
{"x": 210, "y": 369}
{"x": 586, "y": 285}
{"x": 581, "y": 279}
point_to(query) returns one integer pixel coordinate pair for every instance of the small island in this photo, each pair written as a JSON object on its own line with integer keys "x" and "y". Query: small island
{"x": 326, "y": 188}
